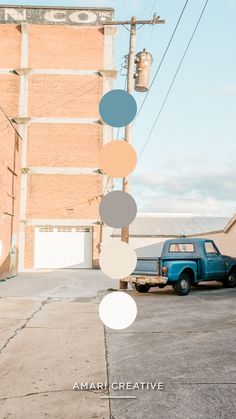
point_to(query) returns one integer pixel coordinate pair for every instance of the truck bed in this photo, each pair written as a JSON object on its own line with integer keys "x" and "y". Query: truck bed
{"x": 149, "y": 266}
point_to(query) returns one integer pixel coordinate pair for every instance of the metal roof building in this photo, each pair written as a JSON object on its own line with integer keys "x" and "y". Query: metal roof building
{"x": 149, "y": 231}
{"x": 175, "y": 226}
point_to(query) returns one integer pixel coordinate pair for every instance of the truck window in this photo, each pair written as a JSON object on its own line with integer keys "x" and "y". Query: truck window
{"x": 210, "y": 249}
{"x": 181, "y": 247}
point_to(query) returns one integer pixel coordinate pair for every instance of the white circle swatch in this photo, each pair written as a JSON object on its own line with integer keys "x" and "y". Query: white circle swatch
{"x": 117, "y": 259}
{"x": 117, "y": 310}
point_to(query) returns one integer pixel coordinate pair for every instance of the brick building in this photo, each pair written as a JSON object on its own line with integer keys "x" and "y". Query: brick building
{"x": 10, "y": 160}
{"x": 55, "y": 65}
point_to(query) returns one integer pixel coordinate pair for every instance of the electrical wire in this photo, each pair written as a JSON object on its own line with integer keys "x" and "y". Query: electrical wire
{"x": 72, "y": 92}
{"x": 105, "y": 188}
{"x": 152, "y": 29}
{"x": 125, "y": 84}
{"x": 89, "y": 200}
{"x": 71, "y": 204}
{"x": 151, "y": 6}
{"x": 10, "y": 122}
{"x": 162, "y": 60}
{"x": 76, "y": 203}
{"x": 173, "y": 80}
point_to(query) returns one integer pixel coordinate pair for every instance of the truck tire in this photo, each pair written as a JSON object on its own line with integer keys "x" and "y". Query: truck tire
{"x": 183, "y": 285}
{"x": 143, "y": 288}
{"x": 230, "y": 282}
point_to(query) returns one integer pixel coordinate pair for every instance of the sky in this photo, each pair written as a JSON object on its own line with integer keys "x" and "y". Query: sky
{"x": 189, "y": 165}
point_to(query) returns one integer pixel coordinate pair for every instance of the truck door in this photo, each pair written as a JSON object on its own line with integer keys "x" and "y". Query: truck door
{"x": 215, "y": 263}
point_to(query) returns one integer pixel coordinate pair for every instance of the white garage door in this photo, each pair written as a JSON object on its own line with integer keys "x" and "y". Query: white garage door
{"x": 63, "y": 247}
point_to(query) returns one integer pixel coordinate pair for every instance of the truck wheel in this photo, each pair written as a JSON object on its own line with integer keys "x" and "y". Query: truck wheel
{"x": 142, "y": 287}
{"x": 161, "y": 285}
{"x": 183, "y": 285}
{"x": 230, "y": 282}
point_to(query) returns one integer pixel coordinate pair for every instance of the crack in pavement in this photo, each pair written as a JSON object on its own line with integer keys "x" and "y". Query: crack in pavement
{"x": 187, "y": 332}
{"x": 18, "y": 329}
{"x": 107, "y": 369}
{"x": 53, "y": 391}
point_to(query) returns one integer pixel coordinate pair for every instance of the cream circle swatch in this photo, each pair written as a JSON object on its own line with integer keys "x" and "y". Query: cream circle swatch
{"x": 117, "y": 259}
{"x": 117, "y": 158}
{"x": 117, "y": 310}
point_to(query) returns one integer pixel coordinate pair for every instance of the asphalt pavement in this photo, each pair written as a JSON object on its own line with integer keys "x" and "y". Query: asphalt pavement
{"x": 51, "y": 337}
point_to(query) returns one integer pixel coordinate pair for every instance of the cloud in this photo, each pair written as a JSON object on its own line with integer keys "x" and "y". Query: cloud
{"x": 205, "y": 193}
{"x": 232, "y": 89}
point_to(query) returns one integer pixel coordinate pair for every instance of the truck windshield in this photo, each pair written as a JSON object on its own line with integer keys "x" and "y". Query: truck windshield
{"x": 181, "y": 247}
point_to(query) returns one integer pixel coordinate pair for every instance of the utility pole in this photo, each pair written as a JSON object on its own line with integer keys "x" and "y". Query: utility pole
{"x": 130, "y": 86}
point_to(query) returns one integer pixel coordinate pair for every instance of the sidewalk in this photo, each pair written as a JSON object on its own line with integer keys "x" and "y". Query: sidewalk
{"x": 45, "y": 347}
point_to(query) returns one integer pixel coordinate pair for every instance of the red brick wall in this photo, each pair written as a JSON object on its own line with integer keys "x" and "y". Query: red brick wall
{"x": 64, "y": 96}
{"x": 10, "y": 37}
{"x": 57, "y": 145}
{"x": 52, "y": 196}
{"x": 10, "y": 153}
{"x": 67, "y": 47}
{"x": 64, "y": 145}
{"x": 9, "y": 88}
{"x": 29, "y": 247}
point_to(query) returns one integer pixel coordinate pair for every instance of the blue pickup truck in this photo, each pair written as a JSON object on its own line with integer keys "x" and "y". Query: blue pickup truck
{"x": 184, "y": 262}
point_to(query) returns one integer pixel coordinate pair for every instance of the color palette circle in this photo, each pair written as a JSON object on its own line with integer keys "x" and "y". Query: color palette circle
{"x": 118, "y": 209}
{"x": 117, "y": 310}
{"x": 118, "y": 108}
{"x": 117, "y": 259}
{"x": 117, "y": 159}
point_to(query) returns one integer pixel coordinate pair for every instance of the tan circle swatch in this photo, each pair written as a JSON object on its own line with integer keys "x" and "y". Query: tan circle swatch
{"x": 117, "y": 158}
{"x": 117, "y": 259}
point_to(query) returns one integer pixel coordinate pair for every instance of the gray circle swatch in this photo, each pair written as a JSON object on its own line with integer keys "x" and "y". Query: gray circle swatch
{"x": 118, "y": 209}
{"x": 118, "y": 108}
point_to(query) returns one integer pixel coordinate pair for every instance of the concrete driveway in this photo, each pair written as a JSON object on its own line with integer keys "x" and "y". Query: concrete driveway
{"x": 188, "y": 344}
{"x": 51, "y": 337}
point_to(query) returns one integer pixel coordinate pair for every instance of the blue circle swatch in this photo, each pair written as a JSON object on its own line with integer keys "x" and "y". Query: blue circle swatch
{"x": 118, "y": 108}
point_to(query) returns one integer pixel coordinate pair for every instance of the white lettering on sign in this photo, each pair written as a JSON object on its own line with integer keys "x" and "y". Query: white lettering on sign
{"x": 83, "y": 17}
{"x": 55, "y": 16}
{"x": 15, "y": 14}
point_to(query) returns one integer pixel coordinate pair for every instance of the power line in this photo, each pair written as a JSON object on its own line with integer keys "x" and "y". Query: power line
{"x": 87, "y": 201}
{"x": 152, "y": 29}
{"x": 69, "y": 205}
{"x": 10, "y": 122}
{"x": 162, "y": 60}
{"x": 72, "y": 92}
{"x": 151, "y": 6}
{"x": 173, "y": 80}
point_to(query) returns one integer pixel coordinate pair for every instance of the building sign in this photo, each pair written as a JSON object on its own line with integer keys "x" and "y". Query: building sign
{"x": 51, "y": 16}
